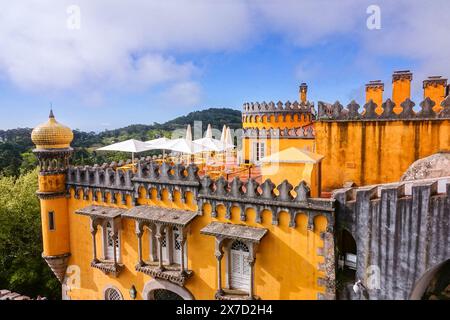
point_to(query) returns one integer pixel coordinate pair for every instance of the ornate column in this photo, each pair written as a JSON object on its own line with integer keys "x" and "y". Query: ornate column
{"x": 153, "y": 246}
{"x": 139, "y": 233}
{"x": 94, "y": 241}
{"x": 160, "y": 234}
{"x": 251, "y": 263}
{"x": 114, "y": 238}
{"x": 219, "y": 255}
{"x": 182, "y": 242}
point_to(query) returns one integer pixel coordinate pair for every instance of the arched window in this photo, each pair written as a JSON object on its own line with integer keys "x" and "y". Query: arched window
{"x": 113, "y": 294}
{"x": 239, "y": 268}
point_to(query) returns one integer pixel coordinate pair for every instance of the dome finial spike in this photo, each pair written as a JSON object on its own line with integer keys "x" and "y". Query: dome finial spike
{"x": 51, "y": 111}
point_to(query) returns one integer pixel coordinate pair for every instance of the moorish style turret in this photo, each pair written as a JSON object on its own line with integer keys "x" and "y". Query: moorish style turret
{"x": 53, "y": 151}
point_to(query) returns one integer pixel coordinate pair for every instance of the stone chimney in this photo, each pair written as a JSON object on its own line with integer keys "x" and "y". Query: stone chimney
{"x": 303, "y": 90}
{"x": 401, "y": 88}
{"x": 374, "y": 92}
{"x": 435, "y": 88}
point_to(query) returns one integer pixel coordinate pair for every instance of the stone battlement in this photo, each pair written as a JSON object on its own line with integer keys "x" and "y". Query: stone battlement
{"x": 336, "y": 112}
{"x": 279, "y": 107}
{"x": 306, "y": 132}
{"x": 103, "y": 180}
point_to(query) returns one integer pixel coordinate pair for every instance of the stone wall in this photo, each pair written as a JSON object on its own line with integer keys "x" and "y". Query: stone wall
{"x": 401, "y": 231}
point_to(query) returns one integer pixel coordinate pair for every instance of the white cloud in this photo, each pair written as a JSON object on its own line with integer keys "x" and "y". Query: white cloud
{"x": 120, "y": 43}
{"x": 133, "y": 45}
{"x": 183, "y": 95}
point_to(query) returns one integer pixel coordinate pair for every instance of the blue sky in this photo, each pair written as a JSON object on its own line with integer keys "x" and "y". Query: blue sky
{"x": 107, "y": 64}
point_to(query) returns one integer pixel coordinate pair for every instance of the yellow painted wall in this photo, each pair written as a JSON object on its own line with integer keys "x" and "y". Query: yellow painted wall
{"x": 275, "y": 145}
{"x": 292, "y": 121}
{"x": 286, "y": 262}
{"x": 294, "y": 172}
{"x": 375, "y": 151}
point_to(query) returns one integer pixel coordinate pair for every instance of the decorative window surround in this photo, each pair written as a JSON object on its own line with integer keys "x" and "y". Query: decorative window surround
{"x": 225, "y": 234}
{"x": 160, "y": 221}
{"x": 99, "y": 216}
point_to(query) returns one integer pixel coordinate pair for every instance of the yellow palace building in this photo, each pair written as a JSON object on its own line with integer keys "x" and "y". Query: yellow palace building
{"x": 165, "y": 231}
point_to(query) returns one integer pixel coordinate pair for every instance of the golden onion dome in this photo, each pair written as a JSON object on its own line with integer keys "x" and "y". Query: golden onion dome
{"x": 52, "y": 135}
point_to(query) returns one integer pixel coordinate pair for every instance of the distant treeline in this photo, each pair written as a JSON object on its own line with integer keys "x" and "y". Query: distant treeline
{"x": 16, "y": 155}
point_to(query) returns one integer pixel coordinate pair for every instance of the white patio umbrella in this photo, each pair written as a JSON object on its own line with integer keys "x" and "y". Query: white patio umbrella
{"x": 228, "y": 140}
{"x": 131, "y": 145}
{"x": 185, "y": 145}
{"x": 210, "y": 143}
{"x": 224, "y": 133}
{"x": 160, "y": 143}
{"x": 208, "y": 133}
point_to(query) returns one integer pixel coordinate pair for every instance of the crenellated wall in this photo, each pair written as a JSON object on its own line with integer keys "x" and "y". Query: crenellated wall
{"x": 401, "y": 231}
{"x": 279, "y": 126}
{"x": 370, "y": 148}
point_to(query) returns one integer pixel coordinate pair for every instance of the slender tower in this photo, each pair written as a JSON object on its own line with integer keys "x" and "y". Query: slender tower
{"x": 53, "y": 151}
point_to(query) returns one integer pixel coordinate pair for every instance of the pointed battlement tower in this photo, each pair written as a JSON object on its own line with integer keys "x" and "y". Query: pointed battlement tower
{"x": 53, "y": 151}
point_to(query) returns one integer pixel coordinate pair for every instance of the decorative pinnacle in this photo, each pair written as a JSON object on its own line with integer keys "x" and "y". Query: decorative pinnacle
{"x": 51, "y": 111}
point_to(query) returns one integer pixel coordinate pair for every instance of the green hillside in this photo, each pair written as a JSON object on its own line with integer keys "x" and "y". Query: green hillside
{"x": 15, "y": 145}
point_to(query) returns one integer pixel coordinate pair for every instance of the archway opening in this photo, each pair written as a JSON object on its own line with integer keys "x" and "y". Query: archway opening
{"x": 346, "y": 272}
{"x": 164, "y": 294}
{"x": 347, "y": 254}
{"x": 434, "y": 284}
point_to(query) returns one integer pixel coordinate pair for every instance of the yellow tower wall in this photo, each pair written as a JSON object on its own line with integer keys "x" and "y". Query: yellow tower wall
{"x": 372, "y": 152}
{"x": 276, "y": 144}
{"x": 55, "y": 241}
{"x": 280, "y": 121}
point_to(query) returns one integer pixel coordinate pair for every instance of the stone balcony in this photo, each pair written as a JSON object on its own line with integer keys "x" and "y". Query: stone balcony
{"x": 108, "y": 267}
{"x": 170, "y": 272}
{"x": 230, "y": 294}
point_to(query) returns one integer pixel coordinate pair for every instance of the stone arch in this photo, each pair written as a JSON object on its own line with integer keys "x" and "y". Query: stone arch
{"x": 347, "y": 252}
{"x": 425, "y": 281}
{"x": 152, "y": 285}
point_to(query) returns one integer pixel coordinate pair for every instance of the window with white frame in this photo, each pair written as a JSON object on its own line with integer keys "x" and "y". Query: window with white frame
{"x": 259, "y": 151}
{"x": 171, "y": 246}
{"x": 238, "y": 266}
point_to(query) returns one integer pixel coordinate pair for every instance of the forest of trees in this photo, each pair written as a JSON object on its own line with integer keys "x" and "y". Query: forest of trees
{"x": 22, "y": 268}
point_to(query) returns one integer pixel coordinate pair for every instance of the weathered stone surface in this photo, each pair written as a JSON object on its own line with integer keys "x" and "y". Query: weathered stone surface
{"x": 398, "y": 237}
{"x": 434, "y": 166}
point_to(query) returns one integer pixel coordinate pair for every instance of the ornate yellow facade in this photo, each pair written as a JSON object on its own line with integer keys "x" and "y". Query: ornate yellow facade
{"x": 163, "y": 231}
